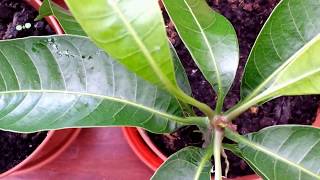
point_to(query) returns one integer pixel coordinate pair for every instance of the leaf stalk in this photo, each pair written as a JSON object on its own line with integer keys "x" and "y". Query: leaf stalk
{"x": 218, "y": 137}
{"x": 243, "y": 106}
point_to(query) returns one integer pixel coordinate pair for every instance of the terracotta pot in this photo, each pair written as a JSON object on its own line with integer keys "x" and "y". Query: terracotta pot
{"x": 152, "y": 156}
{"x": 56, "y": 141}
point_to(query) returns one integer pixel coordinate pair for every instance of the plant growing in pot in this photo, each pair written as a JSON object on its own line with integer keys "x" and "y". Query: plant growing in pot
{"x": 156, "y": 148}
{"x": 134, "y": 79}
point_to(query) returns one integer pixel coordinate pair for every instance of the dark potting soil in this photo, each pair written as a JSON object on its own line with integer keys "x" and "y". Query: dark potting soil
{"x": 15, "y": 147}
{"x": 248, "y": 17}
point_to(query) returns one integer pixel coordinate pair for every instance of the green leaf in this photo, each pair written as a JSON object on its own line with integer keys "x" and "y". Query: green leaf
{"x": 210, "y": 38}
{"x": 184, "y": 165}
{"x": 282, "y": 152}
{"x": 181, "y": 75}
{"x": 233, "y": 148}
{"x": 285, "y": 58}
{"x": 66, "y": 20}
{"x": 66, "y": 81}
{"x": 135, "y": 37}
{"x": 63, "y": 16}
{"x": 182, "y": 81}
{"x": 301, "y": 75}
{"x": 285, "y": 52}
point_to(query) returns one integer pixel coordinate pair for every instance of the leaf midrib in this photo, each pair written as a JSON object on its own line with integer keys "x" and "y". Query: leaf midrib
{"x": 274, "y": 88}
{"x": 140, "y": 43}
{"x": 203, "y": 162}
{"x": 276, "y": 156}
{"x": 168, "y": 116}
{"x": 290, "y": 60}
{"x": 295, "y": 80}
{"x": 209, "y": 47}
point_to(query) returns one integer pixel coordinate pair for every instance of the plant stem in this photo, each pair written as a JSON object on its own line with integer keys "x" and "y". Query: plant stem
{"x": 218, "y": 137}
{"x": 219, "y": 105}
{"x": 190, "y": 100}
{"x": 200, "y": 121}
{"x": 242, "y": 107}
{"x": 233, "y": 135}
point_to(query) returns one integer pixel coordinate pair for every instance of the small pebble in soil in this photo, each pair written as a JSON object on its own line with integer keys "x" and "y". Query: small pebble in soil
{"x": 27, "y": 25}
{"x": 19, "y": 27}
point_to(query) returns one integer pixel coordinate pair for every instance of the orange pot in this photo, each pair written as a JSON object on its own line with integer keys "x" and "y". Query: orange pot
{"x": 152, "y": 156}
{"x": 56, "y": 141}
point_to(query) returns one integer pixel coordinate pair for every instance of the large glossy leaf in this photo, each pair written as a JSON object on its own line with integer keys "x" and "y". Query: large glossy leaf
{"x": 66, "y": 20}
{"x": 184, "y": 165}
{"x": 290, "y": 152}
{"x": 290, "y": 31}
{"x": 210, "y": 38}
{"x": 66, "y": 81}
{"x": 299, "y": 77}
{"x": 71, "y": 26}
{"x": 134, "y": 36}
{"x": 302, "y": 75}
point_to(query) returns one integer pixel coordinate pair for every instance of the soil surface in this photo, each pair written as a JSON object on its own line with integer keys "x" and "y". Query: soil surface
{"x": 15, "y": 147}
{"x": 247, "y": 16}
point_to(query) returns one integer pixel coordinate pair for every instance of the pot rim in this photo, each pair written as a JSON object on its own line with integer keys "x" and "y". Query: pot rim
{"x": 73, "y": 132}
{"x": 150, "y": 150}
{"x": 19, "y": 168}
{"x": 53, "y": 23}
{"x": 152, "y": 160}
{"x": 140, "y": 148}
{"x": 25, "y": 161}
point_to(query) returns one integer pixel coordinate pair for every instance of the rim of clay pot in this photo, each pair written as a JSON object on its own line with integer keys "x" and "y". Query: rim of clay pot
{"x": 25, "y": 161}
{"x": 148, "y": 152}
{"x": 149, "y": 158}
{"x": 54, "y": 24}
{"x": 141, "y": 149}
{"x": 31, "y": 162}
{"x": 70, "y": 134}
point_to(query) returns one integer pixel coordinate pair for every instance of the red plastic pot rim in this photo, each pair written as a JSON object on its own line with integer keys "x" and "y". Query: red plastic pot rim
{"x": 73, "y": 133}
{"x": 148, "y": 157}
{"x": 23, "y": 167}
{"x": 150, "y": 154}
{"x": 36, "y": 151}
{"x": 54, "y": 24}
